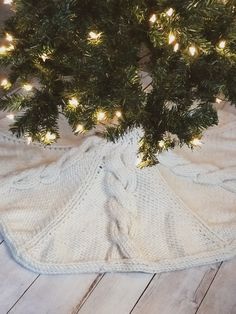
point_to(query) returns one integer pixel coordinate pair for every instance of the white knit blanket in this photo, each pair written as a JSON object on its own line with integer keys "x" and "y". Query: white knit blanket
{"x": 84, "y": 206}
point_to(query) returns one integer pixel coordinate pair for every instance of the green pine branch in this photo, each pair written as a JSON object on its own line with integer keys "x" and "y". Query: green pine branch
{"x": 83, "y": 60}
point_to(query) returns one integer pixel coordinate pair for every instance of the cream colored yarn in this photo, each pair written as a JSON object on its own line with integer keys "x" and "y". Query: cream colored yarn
{"x": 89, "y": 208}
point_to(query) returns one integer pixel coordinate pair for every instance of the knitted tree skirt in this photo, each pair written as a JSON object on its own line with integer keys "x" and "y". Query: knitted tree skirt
{"x": 84, "y": 206}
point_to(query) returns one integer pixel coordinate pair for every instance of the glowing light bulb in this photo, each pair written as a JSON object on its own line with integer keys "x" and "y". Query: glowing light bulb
{"x": 101, "y": 116}
{"x": 7, "y": 1}
{"x": 50, "y": 136}
{"x": 3, "y": 50}
{"x": 170, "y": 12}
{"x": 161, "y": 144}
{"x": 5, "y": 84}
{"x": 118, "y": 114}
{"x": 94, "y": 35}
{"x": 176, "y": 47}
{"x": 222, "y": 44}
{"x": 192, "y": 50}
{"x": 9, "y": 37}
{"x": 196, "y": 142}
{"x": 153, "y": 18}
{"x": 44, "y": 57}
{"x": 218, "y": 100}
{"x": 28, "y": 87}
{"x": 11, "y": 117}
{"x": 79, "y": 128}
{"x": 171, "y": 38}
{"x": 73, "y": 102}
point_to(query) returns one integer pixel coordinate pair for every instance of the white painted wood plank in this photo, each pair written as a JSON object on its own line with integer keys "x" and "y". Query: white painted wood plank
{"x": 221, "y": 297}
{"x": 116, "y": 293}
{"x": 14, "y": 280}
{"x": 55, "y": 294}
{"x": 178, "y": 292}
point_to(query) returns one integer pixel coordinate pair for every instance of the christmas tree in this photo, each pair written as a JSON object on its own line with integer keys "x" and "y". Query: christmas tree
{"x": 83, "y": 59}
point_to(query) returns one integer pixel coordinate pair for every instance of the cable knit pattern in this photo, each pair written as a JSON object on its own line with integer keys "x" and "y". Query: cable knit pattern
{"x": 86, "y": 207}
{"x": 217, "y": 156}
{"x": 121, "y": 183}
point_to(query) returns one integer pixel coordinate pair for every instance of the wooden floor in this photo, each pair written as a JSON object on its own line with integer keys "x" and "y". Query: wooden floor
{"x": 203, "y": 290}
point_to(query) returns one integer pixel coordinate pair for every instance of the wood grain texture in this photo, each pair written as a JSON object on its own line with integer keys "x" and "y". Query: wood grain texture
{"x": 14, "y": 280}
{"x": 221, "y": 297}
{"x": 55, "y": 294}
{"x": 178, "y": 292}
{"x": 116, "y": 293}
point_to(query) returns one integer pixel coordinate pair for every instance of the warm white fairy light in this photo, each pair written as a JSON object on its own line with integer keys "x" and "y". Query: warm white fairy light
{"x": 44, "y": 57}
{"x": 153, "y": 18}
{"x": 7, "y": 1}
{"x": 73, "y": 102}
{"x": 161, "y": 144}
{"x": 176, "y": 47}
{"x": 101, "y": 115}
{"x": 218, "y": 100}
{"x": 79, "y": 128}
{"x": 171, "y": 38}
{"x": 11, "y": 116}
{"x": 192, "y": 50}
{"x": 118, "y": 114}
{"x": 94, "y": 35}
{"x": 5, "y": 83}
{"x": 222, "y": 44}
{"x": 50, "y": 136}
{"x": 9, "y": 37}
{"x": 196, "y": 142}
{"x": 170, "y": 12}
{"x": 27, "y": 87}
{"x": 3, "y": 50}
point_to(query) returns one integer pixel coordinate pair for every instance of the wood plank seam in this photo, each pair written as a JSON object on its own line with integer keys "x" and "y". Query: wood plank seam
{"x": 11, "y": 308}
{"x": 203, "y": 279}
{"x": 141, "y": 295}
{"x": 205, "y": 294}
{"x": 94, "y": 284}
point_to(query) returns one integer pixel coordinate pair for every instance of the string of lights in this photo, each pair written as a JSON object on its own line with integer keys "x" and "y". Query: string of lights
{"x": 85, "y": 58}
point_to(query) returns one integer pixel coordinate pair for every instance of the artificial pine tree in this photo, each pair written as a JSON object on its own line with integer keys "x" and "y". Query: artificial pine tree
{"x": 82, "y": 59}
